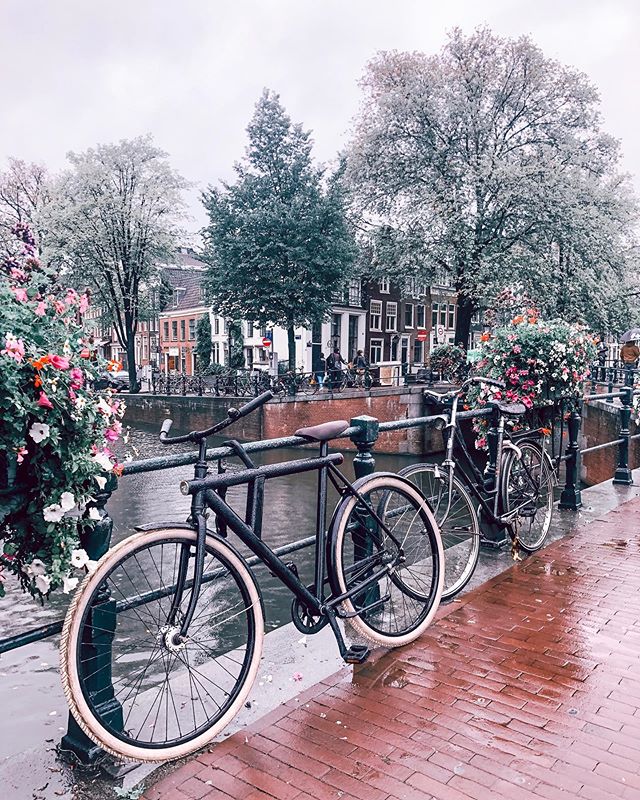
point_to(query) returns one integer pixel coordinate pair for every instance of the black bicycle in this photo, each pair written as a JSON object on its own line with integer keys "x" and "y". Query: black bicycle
{"x": 174, "y": 617}
{"x": 518, "y": 497}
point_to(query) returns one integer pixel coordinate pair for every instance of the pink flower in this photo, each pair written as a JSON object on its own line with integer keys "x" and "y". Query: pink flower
{"x": 528, "y": 402}
{"x": 19, "y": 294}
{"x": 516, "y": 348}
{"x": 14, "y": 348}
{"x": 18, "y": 274}
{"x": 72, "y": 394}
{"x": 59, "y": 362}
{"x": 59, "y": 306}
{"x": 71, "y": 298}
{"x": 84, "y": 303}
{"x": 40, "y": 309}
{"x": 111, "y": 435}
{"x": 77, "y": 378}
{"x": 22, "y": 452}
{"x": 44, "y": 402}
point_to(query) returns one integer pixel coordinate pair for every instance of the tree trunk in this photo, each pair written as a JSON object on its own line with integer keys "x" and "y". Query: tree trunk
{"x": 134, "y": 386}
{"x": 466, "y": 309}
{"x": 291, "y": 345}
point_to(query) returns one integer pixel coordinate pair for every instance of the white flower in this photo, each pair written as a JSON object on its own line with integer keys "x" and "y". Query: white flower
{"x": 79, "y": 558}
{"x": 43, "y": 583}
{"x": 39, "y": 431}
{"x": 80, "y": 403}
{"x": 100, "y": 480}
{"x": 69, "y": 584}
{"x": 53, "y": 513}
{"x": 37, "y": 567}
{"x": 103, "y": 461}
{"x": 67, "y": 501}
{"x": 94, "y": 513}
{"x": 91, "y": 565}
{"x": 104, "y": 407}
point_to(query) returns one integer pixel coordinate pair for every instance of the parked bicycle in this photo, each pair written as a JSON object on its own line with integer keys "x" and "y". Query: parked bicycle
{"x": 518, "y": 497}
{"x": 295, "y": 383}
{"x": 173, "y": 615}
{"x": 352, "y": 378}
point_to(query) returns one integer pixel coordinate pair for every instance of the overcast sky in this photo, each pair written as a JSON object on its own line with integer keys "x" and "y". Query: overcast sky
{"x": 77, "y": 73}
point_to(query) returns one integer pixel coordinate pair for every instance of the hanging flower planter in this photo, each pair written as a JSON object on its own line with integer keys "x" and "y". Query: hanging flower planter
{"x": 55, "y": 430}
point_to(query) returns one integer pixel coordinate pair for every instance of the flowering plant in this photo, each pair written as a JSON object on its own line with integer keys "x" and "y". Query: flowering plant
{"x": 538, "y": 360}
{"x": 447, "y": 359}
{"x": 55, "y": 430}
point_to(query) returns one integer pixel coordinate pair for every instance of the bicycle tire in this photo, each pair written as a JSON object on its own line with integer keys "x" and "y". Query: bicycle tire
{"x": 306, "y": 387}
{"x": 146, "y": 620}
{"x": 459, "y": 528}
{"x": 411, "y": 588}
{"x": 519, "y": 475}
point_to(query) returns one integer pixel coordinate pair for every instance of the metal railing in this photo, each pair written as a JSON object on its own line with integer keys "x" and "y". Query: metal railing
{"x": 564, "y": 415}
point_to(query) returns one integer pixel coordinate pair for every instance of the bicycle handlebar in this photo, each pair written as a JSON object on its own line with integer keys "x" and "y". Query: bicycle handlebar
{"x": 233, "y": 414}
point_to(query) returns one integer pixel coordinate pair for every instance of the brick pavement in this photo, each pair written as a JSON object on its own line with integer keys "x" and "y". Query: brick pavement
{"x": 527, "y": 688}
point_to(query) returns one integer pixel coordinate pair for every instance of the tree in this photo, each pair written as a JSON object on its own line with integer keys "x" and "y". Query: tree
{"x": 277, "y": 242}
{"x": 25, "y": 191}
{"x": 116, "y": 221}
{"x": 486, "y": 162}
{"x": 203, "y": 342}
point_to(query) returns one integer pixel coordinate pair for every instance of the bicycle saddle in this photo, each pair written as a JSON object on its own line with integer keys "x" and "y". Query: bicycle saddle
{"x": 508, "y": 409}
{"x": 323, "y": 432}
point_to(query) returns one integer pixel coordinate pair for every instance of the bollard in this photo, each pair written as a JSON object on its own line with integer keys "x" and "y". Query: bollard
{"x": 96, "y": 542}
{"x": 364, "y": 464}
{"x": 623, "y": 473}
{"x": 571, "y": 497}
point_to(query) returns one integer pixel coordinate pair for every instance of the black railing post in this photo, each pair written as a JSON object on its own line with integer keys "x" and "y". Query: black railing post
{"x": 200, "y": 381}
{"x": 168, "y": 384}
{"x": 153, "y": 382}
{"x": 611, "y": 371}
{"x": 571, "y": 497}
{"x": 364, "y": 464}
{"x": 184, "y": 383}
{"x": 623, "y": 473}
{"x": 97, "y": 641}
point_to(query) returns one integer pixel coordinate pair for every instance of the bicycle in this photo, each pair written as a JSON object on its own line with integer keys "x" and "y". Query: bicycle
{"x": 351, "y": 378}
{"x": 183, "y": 654}
{"x": 296, "y": 383}
{"x": 519, "y": 496}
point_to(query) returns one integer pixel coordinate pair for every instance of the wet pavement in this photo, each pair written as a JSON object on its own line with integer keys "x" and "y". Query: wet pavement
{"x": 528, "y": 686}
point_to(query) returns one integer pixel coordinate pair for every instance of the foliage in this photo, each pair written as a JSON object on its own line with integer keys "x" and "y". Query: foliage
{"x": 116, "y": 218}
{"x": 55, "y": 430}
{"x": 203, "y": 342}
{"x": 235, "y": 353}
{"x": 447, "y": 358}
{"x": 486, "y": 162}
{"x": 25, "y": 191}
{"x": 539, "y": 361}
{"x": 277, "y": 241}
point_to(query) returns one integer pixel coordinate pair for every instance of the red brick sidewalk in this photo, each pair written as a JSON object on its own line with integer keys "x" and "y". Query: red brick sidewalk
{"x": 527, "y": 688}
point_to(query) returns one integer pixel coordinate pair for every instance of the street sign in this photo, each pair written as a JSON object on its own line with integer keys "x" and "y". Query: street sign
{"x": 421, "y": 335}
{"x": 266, "y": 342}
{"x": 440, "y": 334}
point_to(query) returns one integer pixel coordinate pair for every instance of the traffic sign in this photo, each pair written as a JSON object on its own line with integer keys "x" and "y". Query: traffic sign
{"x": 266, "y": 342}
{"x": 421, "y": 335}
{"x": 440, "y": 334}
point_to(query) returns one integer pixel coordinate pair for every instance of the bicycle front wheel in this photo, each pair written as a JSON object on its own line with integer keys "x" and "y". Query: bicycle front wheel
{"x": 527, "y": 486}
{"x": 386, "y": 554}
{"x": 458, "y": 523}
{"x": 133, "y": 688}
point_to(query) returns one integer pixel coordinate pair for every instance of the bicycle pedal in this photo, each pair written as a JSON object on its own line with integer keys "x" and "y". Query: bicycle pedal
{"x": 356, "y": 654}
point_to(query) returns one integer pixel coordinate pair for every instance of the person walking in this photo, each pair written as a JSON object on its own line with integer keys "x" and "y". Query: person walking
{"x": 334, "y": 368}
{"x": 629, "y": 354}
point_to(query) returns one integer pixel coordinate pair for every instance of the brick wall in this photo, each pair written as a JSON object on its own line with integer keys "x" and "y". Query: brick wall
{"x": 601, "y": 423}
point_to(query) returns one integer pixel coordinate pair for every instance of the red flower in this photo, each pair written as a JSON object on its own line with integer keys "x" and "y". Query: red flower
{"x": 59, "y": 362}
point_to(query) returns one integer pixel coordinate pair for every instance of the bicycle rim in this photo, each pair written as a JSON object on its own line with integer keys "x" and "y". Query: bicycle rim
{"x": 166, "y": 700}
{"x": 458, "y": 523}
{"x": 396, "y": 607}
{"x": 527, "y": 483}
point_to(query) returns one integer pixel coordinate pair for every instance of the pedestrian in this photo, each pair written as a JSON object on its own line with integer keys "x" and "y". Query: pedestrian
{"x": 334, "y": 368}
{"x": 602, "y": 353}
{"x": 320, "y": 374}
{"x": 629, "y": 354}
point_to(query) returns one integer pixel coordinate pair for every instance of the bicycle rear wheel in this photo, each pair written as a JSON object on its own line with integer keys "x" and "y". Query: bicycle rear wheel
{"x": 458, "y": 523}
{"x": 385, "y": 551}
{"x": 167, "y": 698}
{"x": 527, "y": 485}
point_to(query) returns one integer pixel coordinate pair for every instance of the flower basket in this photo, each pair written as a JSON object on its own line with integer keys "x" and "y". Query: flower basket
{"x": 55, "y": 430}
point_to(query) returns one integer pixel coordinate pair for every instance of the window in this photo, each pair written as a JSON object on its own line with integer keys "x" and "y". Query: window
{"x": 203, "y": 294}
{"x": 392, "y": 316}
{"x": 443, "y": 314}
{"x": 452, "y": 316}
{"x": 375, "y": 315}
{"x": 384, "y": 285}
{"x": 216, "y": 352}
{"x": 418, "y": 352}
{"x": 393, "y": 353}
{"x": 192, "y": 329}
{"x": 420, "y": 316}
{"x": 336, "y": 325}
{"x": 174, "y": 330}
{"x": 434, "y": 315}
{"x": 183, "y": 326}
{"x": 178, "y": 294}
{"x": 216, "y": 327}
{"x": 375, "y": 351}
{"x": 408, "y": 315}
{"x": 355, "y": 298}
{"x": 166, "y": 331}
{"x": 249, "y": 329}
